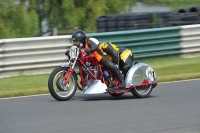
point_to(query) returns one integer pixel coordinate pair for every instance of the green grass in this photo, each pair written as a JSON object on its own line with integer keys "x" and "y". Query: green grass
{"x": 23, "y": 85}
{"x": 170, "y": 69}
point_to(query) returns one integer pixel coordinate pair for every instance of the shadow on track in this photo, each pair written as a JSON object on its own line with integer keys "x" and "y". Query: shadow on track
{"x": 101, "y": 97}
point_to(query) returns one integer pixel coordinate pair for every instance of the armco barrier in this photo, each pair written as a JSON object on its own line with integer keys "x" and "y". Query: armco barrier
{"x": 37, "y": 55}
{"x": 31, "y": 55}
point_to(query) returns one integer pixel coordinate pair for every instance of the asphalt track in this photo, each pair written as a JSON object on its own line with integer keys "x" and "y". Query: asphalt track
{"x": 172, "y": 108}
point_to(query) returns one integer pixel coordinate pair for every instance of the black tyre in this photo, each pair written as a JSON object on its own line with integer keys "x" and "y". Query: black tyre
{"x": 139, "y": 16}
{"x": 190, "y": 18}
{"x": 102, "y": 30}
{"x": 130, "y": 28}
{"x": 183, "y": 10}
{"x": 101, "y": 25}
{"x": 145, "y": 16}
{"x": 112, "y": 18}
{"x": 111, "y": 29}
{"x": 132, "y": 18}
{"x": 130, "y": 23}
{"x": 121, "y": 29}
{"x": 101, "y": 19}
{"x": 142, "y": 91}
{"x": 121, "y": 17}
{"x": 57, "y": 88}
{"x": 120, "y": 24}
{"x": 111, "y": 24}
{"x": 195, "y": 10}
{"x": 163, "y": 14}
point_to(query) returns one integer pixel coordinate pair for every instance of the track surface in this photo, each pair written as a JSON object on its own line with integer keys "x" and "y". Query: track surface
{"x": 171, "y": 108}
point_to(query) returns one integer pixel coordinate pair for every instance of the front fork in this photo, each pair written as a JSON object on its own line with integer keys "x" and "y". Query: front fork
{"x": 68, "y": 75}
{"x": 69, "y": 72}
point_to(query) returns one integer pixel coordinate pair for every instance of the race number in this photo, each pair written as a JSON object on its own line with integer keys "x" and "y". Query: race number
{"x": 150, "y": 73}
{"x": 73, "y": 52}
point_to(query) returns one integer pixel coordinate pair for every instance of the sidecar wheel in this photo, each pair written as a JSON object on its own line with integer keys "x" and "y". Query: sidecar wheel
{"x": 57, "y": 88}
{"x": 142, "y": 91}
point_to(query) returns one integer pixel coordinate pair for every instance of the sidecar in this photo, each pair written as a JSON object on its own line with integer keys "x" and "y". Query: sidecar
{"x": 140, "y": 81}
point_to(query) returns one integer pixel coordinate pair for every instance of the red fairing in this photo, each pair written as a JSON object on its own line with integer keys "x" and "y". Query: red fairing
{"x": 92, "y": 60}
{"x": 82, "y": 56}
{"x": 88, "y": 62}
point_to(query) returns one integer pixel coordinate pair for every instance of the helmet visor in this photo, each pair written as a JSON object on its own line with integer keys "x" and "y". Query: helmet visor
{"x": 76, "y": 41}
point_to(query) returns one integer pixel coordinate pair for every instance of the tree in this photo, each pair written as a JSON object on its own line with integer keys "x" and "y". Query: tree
{"x": 24, "y": 18}
{"x": 17, "y": 21}
{"x": 78, "y": 13}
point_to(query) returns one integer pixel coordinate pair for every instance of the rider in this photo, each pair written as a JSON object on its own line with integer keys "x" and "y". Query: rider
{"x": 121, "y": 56}
{"x": 90, "y": 45}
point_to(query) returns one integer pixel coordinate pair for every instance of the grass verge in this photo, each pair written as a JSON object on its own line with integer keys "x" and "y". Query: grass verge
{"x": 170, "y": 69}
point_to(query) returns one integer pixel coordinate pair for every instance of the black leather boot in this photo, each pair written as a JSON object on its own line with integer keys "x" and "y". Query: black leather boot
{"x": 123, "y": 85}
{"x": 121, "y": 88}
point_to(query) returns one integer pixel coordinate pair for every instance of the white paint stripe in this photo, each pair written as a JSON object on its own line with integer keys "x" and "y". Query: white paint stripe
{"x": 190, "y": 39}
{"x": 190, "y": 30}
{"x": 190, "y": 26}
{"x": 80, "y": 91}
{"x": 27, "y": 96}
{"x": 67, "y": 37}
{"x": 24, "y": 96}
{"x": 179, "y": 81}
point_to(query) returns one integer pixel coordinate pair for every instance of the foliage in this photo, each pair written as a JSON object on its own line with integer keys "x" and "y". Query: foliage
{"x": 78, "y": 13}
{"x": 174, "y": 4}
{"x": 24, "y": 18}
{"x": 17, "y": 21}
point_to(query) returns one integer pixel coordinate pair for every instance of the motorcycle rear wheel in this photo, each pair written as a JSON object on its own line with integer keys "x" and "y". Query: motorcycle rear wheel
{"x": 57, "y": 88}
{"x": 142, "y": 91}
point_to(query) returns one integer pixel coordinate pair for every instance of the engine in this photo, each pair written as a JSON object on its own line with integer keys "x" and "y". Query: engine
{"x": 93, "y": 69}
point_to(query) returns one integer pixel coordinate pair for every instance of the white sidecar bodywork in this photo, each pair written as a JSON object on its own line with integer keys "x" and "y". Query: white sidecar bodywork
{"x": 95, "y": 87}
{"x": 139, "y": 73}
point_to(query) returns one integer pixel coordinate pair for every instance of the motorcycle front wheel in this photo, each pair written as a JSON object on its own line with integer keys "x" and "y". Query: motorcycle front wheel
{"x": 142, "y": 91}
{"x": 60, "y": 90}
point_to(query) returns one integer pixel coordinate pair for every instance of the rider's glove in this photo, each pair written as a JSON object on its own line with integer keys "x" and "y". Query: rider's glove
{"x": 87, "y": 51}
{"x": 67, "y": 52}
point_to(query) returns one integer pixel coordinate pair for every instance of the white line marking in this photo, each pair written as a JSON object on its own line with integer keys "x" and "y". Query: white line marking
{"x": 178, "y": 81}
{"x": 80, "y": 91}
{"x": 24, "y": 96}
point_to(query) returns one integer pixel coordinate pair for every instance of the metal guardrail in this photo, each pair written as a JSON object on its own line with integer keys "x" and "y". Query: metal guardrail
{"x": 31, "y": 55}
{"x": 37, "y": 55}
{"x": 157, "y": 42}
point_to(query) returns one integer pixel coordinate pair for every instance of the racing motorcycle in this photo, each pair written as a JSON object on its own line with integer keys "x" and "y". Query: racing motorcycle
{"x": 92, "y": 78}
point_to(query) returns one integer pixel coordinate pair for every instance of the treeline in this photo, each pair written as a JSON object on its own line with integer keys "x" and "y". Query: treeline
{"x": 24, "y": 18}
{"x": 17, "y": 21}
{"x": 173, "y": 4}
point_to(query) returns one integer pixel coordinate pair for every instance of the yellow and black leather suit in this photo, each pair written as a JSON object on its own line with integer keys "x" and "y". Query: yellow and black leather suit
{"x": 118, "y": 55}
{"x": 93, "y": 48}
